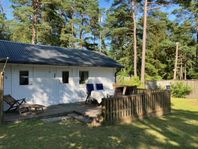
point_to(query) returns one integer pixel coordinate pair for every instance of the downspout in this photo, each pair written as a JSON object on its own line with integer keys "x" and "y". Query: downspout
{"x": 2, "y": 89}
{"x": 4, "y": 66}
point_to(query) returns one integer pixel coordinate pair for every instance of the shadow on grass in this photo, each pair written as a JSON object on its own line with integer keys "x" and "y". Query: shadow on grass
{"x": 177, "y": 130}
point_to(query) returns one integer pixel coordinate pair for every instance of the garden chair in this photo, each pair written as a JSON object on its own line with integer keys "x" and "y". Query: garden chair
{"x": 130, "y": 90}
{"x": 13, "y": 103}
{"x": 99, "y": 86}
{"x": 118, "y": 91}
{"x": 108, "y": 92}
{"x": 89, "y": 88}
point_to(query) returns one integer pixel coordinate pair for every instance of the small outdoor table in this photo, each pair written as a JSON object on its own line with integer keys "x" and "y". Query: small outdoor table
{"x": 99, "y": 94}
{"x": 36, "y": 108}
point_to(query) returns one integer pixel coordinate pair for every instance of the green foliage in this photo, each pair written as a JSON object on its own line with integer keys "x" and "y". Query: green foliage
{"x": 76, "y": 24}
{"x": 129, "y": 81}
{"x": 119, "y": 23}
{"x": 4, "y": 30}
{"x": 162, "y": 35}
{"x": 180, "y": 90}
{"x": 65, "y": 23}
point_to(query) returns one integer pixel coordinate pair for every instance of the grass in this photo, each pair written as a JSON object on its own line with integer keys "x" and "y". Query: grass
{"x": 176, "y": 130}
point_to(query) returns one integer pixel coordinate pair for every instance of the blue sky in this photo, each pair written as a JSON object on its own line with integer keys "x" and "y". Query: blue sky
{"x": 7, "y": 9}
{"x": 105, "y": 3}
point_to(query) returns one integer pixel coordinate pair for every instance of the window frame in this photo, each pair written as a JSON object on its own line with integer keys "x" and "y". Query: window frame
{"x": 83, "y": 81}
{"x": 67, "y": 82}
{"x": 23, "y": 77}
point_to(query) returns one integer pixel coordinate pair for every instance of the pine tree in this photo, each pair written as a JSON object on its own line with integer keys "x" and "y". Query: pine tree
{"x": 52, "y": 22}
{"x": 4, "y": 30}
{"x": 36, "y": 6}
{"x": 22, "y": 25}
{"x": 126, "y": 29}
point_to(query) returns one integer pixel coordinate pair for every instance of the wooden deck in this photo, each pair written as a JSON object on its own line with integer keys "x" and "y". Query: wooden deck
{"x": 91, "y": 111}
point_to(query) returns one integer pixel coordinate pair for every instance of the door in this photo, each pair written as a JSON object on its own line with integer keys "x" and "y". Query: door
{"x": 45, "y": 86}
{"x": 65, "y": 87}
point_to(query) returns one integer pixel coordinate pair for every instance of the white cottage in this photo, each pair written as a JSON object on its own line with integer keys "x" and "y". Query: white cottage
{"x": 52, "y": 75}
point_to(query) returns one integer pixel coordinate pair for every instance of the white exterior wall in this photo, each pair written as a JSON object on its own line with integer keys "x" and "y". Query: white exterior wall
{"x": 45, "y": 83}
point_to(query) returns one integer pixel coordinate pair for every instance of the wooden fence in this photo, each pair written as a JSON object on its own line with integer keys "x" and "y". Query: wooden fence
{"x": 193, "y": 84}
{"x": 125, "y": 109}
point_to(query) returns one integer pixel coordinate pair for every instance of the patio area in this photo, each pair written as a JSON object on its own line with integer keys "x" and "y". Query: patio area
{"x": 85, "y": 110}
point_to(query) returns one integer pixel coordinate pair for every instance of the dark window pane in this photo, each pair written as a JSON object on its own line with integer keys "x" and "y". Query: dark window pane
{"x": 84, "y": 75}
{"x": 23, "y": 77}
{"x": 65, "y": 76}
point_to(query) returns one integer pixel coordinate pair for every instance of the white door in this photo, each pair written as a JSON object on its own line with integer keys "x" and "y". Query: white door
{"x": 45, "y": 86}
{"x": 65, "y": 87}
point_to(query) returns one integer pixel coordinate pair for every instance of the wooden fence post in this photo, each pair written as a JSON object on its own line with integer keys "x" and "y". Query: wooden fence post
{"x": 1, "y": 97}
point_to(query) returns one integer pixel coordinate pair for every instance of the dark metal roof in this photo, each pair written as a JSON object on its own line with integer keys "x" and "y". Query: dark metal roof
{"x": 22, "y": 53}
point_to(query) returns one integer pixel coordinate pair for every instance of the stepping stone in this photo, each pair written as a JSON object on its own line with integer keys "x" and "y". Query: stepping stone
{"x": 81, "y": 118}
{"x": 56, "y": 119}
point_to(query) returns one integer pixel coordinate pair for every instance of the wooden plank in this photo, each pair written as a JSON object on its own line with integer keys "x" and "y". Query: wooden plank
{"x": 192, "y": 83}
{"x": 129, "y": 104}
{"x": 110, "y": 112}
{"x": 119, "y": 109}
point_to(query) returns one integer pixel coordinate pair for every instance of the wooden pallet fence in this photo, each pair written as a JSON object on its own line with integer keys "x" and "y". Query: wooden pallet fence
{"x": 127, "y": 108}
{"x": 193, "y": 84}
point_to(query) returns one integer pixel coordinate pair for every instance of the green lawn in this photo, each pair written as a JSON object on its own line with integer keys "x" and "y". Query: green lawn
{"x": 177, "y": 130}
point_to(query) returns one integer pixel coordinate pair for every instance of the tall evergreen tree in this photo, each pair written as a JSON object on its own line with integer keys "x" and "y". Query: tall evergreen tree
{"x": 81, "y": 23}
{"x": 22, "y": 24}
{"x": 70, "y": 23}
{"x": 52, "y": 22}
{"x": 4, "y": 31}
{"x": 128, "y": 10}
{"x": 36, "y": 6}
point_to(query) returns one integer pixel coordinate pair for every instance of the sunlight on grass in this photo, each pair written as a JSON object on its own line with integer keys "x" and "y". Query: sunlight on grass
{"x": 185, "y": 104}
{"x": 176, "y": 130}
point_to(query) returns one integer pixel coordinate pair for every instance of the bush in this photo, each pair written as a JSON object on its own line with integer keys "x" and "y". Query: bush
{"x": 129, "y": 81}
{"x": 180, "y": 90}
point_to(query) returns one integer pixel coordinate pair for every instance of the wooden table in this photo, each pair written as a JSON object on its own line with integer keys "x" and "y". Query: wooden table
{"x": 35, "y": 108}
{"x": 99, "y": 94}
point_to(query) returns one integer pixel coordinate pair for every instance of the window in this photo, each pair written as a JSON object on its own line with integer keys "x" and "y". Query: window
{"x": 65, "y": 77}
{"x": 23, "y": 77}
{"x": 83, "y": 76}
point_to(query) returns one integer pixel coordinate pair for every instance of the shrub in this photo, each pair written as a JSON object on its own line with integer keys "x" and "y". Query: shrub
{"x": 129, "y": 81}
{"x": 180, "y": 90}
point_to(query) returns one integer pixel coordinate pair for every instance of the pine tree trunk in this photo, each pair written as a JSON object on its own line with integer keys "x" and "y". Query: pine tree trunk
{"x": 81, "y": 39}
{"x": 181, "y": 70}
{"x": 185, "y": 73}
{"x": 36, "y": 7}
{"x": 34, "y": 30}
{"x": 100, "y": 36}
{"x": 72, "y": 23}
{"x": 176, "y": 59}
{"x": 72, "y": 32}
{"x": 81, "y": 32}
{"x": 134, "y": 39}
{"x": 144, "y": 44}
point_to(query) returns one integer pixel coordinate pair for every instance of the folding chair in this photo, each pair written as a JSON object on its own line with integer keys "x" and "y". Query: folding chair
{"x": 89, "y": 88}
{"x": 13, "y": 103}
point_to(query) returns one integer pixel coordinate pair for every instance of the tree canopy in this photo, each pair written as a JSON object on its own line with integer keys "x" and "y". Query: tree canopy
{"x": 113, "y": 31}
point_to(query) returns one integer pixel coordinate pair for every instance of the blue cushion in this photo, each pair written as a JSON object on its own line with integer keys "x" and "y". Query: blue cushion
{"x": 99, "y": 87}
{"x": 89, "y": 87}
